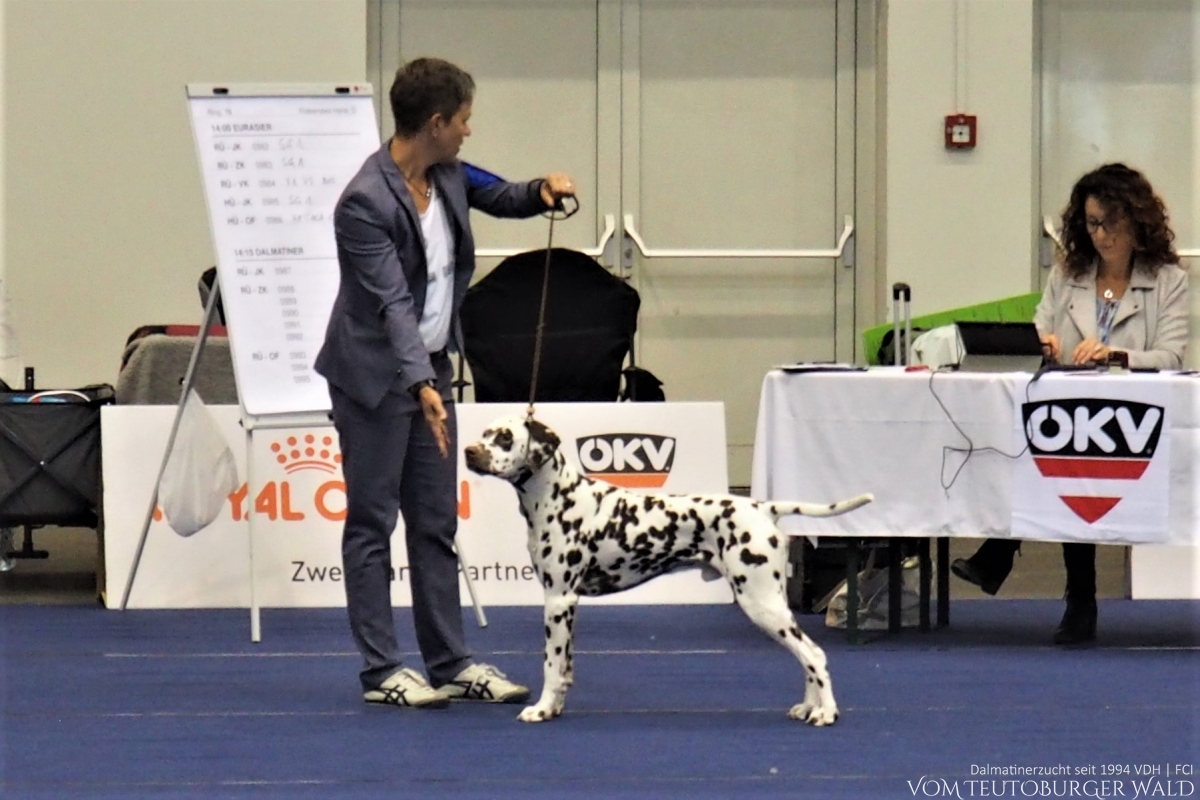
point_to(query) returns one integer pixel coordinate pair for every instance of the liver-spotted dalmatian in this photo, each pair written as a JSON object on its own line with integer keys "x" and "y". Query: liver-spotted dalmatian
{"x": 591, "y": 538}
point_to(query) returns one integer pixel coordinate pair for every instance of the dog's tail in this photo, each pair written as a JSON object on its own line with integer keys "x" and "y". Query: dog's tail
{"x": 784, "y": 509}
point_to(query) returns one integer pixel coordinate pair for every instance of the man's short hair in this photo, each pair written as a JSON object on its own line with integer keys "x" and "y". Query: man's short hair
{"x": 427, "y": 86}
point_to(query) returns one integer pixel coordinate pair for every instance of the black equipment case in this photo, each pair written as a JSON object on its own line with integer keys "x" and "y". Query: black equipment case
{"x": 50, "y": 458}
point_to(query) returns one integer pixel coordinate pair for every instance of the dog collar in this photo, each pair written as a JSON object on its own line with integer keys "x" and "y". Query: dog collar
{"x": 526, "y": 473}
{"x": 523, "y": 478}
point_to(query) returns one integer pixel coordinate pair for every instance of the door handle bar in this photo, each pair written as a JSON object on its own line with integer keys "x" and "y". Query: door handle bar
{"x": 1049, "y": 229}
{"x": 610, "y": 229}
{"x": 668, "y": 252}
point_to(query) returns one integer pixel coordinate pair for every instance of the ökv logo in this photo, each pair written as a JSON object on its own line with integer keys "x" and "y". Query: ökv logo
{"x": 1083, "y": 441}
{"x": 635, "y": 460}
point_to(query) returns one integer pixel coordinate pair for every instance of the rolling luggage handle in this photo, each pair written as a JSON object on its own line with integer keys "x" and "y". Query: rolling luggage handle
{"x": 901, "y": 291}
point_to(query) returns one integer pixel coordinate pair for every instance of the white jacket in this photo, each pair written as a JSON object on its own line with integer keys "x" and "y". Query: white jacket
{"x": 1151, "y": 323}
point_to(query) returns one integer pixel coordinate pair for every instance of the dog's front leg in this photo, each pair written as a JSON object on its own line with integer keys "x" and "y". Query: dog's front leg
{"x": 559, "y": 617}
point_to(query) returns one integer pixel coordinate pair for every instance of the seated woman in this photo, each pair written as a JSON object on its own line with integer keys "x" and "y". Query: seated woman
{"x": 1119, "y": 287}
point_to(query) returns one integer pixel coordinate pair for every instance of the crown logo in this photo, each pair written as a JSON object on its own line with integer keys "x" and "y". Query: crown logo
{"x": 297, "y": 454}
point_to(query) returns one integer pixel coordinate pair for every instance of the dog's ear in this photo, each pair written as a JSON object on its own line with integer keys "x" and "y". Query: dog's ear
{"x": 545, "y": 442}
{"x": 543, "y": 435}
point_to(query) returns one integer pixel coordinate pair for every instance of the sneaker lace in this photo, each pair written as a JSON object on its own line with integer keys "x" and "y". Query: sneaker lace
{"x": 487, "y": 670}
{"x": 477, "y": 681}
{"x": 413, "y": 678}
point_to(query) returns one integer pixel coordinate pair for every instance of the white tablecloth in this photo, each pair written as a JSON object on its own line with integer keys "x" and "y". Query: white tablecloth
{"x": 824, "y": 436}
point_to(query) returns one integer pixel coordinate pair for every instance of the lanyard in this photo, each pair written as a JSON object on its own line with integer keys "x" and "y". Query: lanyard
{"x": 1106, "y": 312}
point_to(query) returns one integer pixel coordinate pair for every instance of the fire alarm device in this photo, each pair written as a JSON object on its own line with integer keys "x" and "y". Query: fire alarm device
{"x": 960, "y": 132}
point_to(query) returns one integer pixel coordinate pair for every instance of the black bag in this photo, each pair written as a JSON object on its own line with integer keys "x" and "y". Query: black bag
{"x": 886, "y": 355}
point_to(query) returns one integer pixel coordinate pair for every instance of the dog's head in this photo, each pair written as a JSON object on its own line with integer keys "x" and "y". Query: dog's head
{"x": 512, "y": 448}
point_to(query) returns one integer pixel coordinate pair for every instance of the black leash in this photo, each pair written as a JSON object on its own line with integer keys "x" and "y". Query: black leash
{"x": 553, "y": 214}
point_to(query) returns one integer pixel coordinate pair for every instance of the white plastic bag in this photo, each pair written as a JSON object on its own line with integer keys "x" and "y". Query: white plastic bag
{"x": 873, "y": 598}
{"x": 200, "y": 471}
{"x": 938, "y": 347}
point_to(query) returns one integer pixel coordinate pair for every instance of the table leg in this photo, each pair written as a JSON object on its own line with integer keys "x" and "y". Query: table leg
{"x": 943, "y": 579}
{"x": 923, "y": 578}
{"x": 894, "y": 585}
{"x": 852, "y": 591}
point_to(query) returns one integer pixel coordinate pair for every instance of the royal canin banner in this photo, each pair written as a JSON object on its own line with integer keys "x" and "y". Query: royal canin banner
{"x": 1097, "y": 456}
{"x": 299, "y": 503}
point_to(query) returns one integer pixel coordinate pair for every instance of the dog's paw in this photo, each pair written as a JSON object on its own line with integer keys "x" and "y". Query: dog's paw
{"x": 538, "y": 713}
{"x": 816, "y": 716}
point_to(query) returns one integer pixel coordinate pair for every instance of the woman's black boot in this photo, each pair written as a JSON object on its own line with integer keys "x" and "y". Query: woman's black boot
{"x": 990, "y": 565}
{"x": 1079, "y": 620}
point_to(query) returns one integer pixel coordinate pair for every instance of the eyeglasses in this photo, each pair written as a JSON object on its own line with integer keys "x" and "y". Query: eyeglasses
{"x": 1109, "y": 225}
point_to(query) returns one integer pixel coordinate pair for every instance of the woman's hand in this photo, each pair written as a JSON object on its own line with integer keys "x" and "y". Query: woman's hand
{"x": 1090, "y": 351}
{"x": 555, "y": 187}
{"x": 1051, "y": 346}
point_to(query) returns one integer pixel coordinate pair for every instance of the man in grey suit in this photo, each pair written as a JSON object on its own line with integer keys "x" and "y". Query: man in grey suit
{"x": 406, "y": 257}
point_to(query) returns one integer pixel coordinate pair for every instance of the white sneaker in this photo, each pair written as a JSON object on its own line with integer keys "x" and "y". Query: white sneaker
{"x": 407, "y": 688}
{"x": 485, "y": 683}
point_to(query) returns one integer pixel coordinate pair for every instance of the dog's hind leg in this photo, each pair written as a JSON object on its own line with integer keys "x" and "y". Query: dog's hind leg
{"x": 764, "y": 602}
{"x": 557, "y": 670}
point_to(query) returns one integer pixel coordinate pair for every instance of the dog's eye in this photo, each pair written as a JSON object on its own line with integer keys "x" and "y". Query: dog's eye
{"x": 504, "y": 439}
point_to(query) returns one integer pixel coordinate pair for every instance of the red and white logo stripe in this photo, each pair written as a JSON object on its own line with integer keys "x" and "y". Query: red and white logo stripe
{"x": 1090, "y": 450}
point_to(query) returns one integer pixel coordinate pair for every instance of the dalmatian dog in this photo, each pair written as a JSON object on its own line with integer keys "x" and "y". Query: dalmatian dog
{"x": 591, "y": 538}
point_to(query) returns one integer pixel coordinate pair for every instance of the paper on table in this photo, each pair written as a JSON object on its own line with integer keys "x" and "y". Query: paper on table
{"x": 820, "y": 368}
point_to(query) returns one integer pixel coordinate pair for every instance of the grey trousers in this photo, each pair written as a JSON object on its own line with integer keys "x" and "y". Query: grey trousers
{"x": 392, "y": 465}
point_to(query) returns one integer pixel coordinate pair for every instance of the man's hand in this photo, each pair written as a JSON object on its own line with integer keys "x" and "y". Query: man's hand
{"x": 555, "y": 187}
{"x": 435, "y": 415}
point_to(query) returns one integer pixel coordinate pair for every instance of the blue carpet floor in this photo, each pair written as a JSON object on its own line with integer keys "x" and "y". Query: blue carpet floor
{"x": 676, "y": 701}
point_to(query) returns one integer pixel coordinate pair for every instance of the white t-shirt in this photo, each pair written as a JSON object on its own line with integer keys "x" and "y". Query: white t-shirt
{"x": 439, "y": 258}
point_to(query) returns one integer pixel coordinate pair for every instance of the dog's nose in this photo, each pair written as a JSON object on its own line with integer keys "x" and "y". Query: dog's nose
{"x": 475, "y": 456}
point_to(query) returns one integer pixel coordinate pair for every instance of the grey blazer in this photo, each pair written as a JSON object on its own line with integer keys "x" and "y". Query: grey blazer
{"x": 1151, "y": 323}
{"x": 372, "y": 344}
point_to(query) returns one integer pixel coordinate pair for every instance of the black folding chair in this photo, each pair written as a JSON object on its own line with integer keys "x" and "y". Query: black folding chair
{"x": 50, "y": 461}
{"x": 591, "y": 319}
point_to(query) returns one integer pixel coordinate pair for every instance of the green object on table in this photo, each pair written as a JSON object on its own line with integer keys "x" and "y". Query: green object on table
{"x": 1010, "y": 309}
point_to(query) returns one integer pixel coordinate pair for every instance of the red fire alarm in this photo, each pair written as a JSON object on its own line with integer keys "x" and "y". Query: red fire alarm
{"x": 960, "y": 132}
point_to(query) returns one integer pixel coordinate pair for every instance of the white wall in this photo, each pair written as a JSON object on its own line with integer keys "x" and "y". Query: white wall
{"x": 101, "y": 209}
{"x": 9, "y": 368}
{"x": 3, "y": 149}
{"x": 959, "y": 224}
{"x": 106, "y": 228}
{"x": 1122, "y": 83}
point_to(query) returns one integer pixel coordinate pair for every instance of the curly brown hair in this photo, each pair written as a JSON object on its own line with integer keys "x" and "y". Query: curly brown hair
{"x": 1122, "y": 192}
